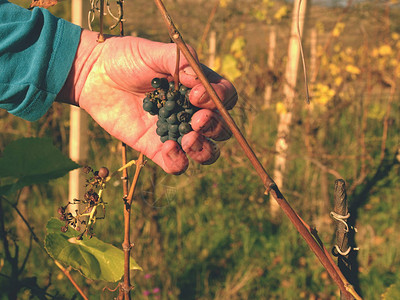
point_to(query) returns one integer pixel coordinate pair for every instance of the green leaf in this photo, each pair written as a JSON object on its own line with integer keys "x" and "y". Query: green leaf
{"x": 94, "y": 258}
{"x": 30, "y": 161}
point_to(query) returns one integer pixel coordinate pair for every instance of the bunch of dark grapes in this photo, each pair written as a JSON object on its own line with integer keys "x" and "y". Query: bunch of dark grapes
{"x": 172, "y": 107}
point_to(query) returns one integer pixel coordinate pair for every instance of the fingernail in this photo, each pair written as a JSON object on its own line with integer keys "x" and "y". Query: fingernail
{"x": 215, "y": 154}
{"x": 189, "y": 71}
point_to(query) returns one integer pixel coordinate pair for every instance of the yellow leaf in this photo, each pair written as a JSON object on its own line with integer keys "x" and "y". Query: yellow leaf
{"x": 338, "y": 80}
{"x": 217, "y": 63}
{"x": 224, "y": 3}
{"x": 395, "y": 36}
{"x": 385, "y": 50}
{"x": 338, "y": 29}
{"x": 229, "y": 67}
{"x": 282, "y": 12}
{"x": 280, "y": 108}
{"x": 238, "y": 44}
{"x": 376, "y": 112}
{"x": 334, "y": 69}
{"x": 353, "y": 69}
{"x": 337, "y": 48}
{"x": 322, "y": 93}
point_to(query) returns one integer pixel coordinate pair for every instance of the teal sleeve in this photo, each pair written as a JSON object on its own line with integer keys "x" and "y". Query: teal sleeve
{"x": 36, "y": 53}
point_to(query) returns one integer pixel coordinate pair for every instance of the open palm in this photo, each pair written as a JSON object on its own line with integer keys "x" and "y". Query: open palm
{"x": 109, "y": 80}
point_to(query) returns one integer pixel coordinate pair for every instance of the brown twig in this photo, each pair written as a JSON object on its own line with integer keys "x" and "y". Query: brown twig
{"x": 68, "y": 275}
{"x": 127, "y": 245}
{"x": 268, "y": 183}
{"x": 207, "y": 27}
{"x": 139, "y": 165}
{"x": 100, "y": 39}
{"x": 176, "y": 73}
{"x": 125, "y": 287}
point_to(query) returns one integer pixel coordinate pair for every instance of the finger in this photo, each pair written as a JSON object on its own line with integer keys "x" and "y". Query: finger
{"x": 163, "y": 61}
{"x": 167, "y": 65}
{"x": 199, "y": 148}
{"x": 210, "y": 124}
{"x": 174, "y": 159}
{"x": 224, "y": 89}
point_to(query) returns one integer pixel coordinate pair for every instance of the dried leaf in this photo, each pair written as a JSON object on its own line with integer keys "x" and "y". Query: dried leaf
{"x": 43, "y": 3}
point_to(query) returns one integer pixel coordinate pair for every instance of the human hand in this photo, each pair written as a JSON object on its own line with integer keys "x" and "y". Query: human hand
{"x": 109, "y": 80}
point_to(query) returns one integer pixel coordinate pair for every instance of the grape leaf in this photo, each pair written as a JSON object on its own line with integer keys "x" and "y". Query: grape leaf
{"x": 94, "y": 258}
{"x": 30, "y": 161}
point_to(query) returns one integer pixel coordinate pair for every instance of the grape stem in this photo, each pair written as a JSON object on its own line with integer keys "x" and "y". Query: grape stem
{"x": 176, "y": 74}
{"x": 271, "y": 188}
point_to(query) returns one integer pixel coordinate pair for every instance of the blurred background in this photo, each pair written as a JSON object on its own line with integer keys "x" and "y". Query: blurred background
{"x": 211, "y": 233}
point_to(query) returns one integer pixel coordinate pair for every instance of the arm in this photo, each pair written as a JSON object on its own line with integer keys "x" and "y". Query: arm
{"x": 36, "y": 53}
{"x": 45, "y": 58}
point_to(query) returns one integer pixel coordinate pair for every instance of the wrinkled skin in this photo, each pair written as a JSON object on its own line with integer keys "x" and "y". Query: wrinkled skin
{"x": 109, "y": 81}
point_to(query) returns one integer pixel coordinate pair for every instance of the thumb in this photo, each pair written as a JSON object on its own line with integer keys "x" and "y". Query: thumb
{"x": 162, "y": 58}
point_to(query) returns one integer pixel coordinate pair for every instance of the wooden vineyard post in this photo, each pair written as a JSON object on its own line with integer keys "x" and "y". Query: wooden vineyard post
{"x": 285, "y": 116}
{"x": 342, "y": 247}
{"x": 271, "y": 65}
{"x": 78, "y": 139}
{"x": 212, "y": 49}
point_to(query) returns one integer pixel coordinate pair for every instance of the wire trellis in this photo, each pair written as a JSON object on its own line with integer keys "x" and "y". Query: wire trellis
{"x": 97, "y": 6}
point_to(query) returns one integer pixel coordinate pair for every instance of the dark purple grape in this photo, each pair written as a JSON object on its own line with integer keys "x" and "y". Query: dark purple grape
{"x": 148, "y": 106}
{"x": 164, "y": 138}
{"x": 173, "y": 137}
{"x": 172, "y": 119}
{"x": 171, "y": 86}
{"x": 153, "y": 113}
{"x": 190, "y": 110}
{"x": 161, "y": 131}
{"x": 179, "y": 140}
{"x": 173, "y": 128}
{"x": 170, "y": 105}
{"x": 164, "y": 84}
{"x": 164, "y": 113}
{"x": 156, "y": 83}
{"x": 161, "y": 121}
{"x": 183, "y": 116}
{"x": 185, "y": 128}
{"x": 171, "y": 95}
{"x": 183, "y": 89}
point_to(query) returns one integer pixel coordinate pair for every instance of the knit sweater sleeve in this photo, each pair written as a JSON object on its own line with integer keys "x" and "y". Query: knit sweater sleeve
{"x": 36, "y": 53}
